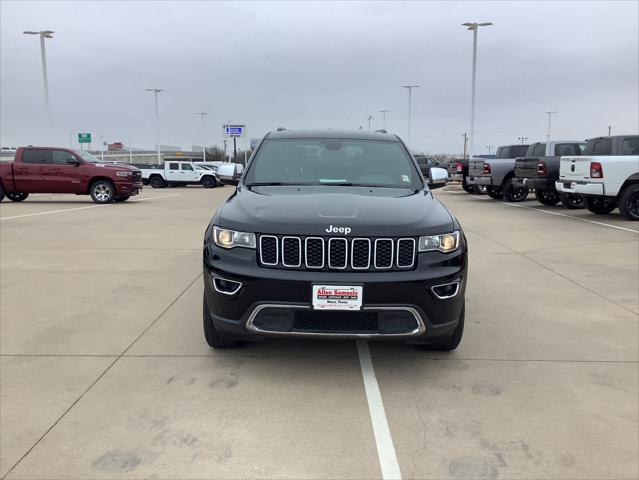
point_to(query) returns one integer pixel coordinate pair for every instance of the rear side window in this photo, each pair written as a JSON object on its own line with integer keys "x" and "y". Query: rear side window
{"x": 187, "y": 166}
{"x": 539, "y": 150}
{"x": 630, "y": 146}
{"x": 60, "y": 157}
{"x": 602, "y": 146}
{"x": 174, "y": 166}
{"x": 36, "y": 156}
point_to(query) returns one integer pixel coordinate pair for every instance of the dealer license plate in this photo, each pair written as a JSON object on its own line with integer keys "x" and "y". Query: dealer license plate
{"x": 337, "y": 297}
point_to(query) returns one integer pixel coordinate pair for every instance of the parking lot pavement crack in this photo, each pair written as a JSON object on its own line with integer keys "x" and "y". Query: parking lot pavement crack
{"x": 531, "y": 260}
{"x": 75, "y": 402}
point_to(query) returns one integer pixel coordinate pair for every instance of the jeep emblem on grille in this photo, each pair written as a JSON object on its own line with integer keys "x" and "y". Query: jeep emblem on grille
{"x": 332, "y": 229}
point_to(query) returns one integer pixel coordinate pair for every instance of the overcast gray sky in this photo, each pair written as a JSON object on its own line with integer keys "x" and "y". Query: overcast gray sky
{"x": 319, "y": 65}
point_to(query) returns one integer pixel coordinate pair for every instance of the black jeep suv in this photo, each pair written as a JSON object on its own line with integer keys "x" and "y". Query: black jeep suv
{"x": 334, "y": 235}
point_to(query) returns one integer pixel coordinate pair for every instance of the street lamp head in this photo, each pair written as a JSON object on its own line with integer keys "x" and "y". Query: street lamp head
{"x": 43, "y": 33}
{"x": 474, "y": 25}
{"x": 155, "y": 90}
{"x": 29, "y": 32}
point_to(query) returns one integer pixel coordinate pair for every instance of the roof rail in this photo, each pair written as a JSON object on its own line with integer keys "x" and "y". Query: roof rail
{"x": 381, "y": 130}
{"x": 281, "y": 129}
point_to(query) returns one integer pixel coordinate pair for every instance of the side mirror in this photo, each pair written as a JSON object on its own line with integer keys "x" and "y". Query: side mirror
{"x": 73, "y": 161}
{"x": 437, "y": 177}
{"x": 228, "y": 174}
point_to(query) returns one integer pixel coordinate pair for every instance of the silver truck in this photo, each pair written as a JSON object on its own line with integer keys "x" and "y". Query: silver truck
{"x": 497, "y": 174}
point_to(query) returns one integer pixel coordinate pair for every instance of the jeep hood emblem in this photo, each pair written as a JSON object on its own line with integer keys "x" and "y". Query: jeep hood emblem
{"x": 344, "y": 230}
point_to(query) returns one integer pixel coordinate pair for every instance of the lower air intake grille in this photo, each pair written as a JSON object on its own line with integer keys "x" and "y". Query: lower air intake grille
{"x": 342, "y": 322}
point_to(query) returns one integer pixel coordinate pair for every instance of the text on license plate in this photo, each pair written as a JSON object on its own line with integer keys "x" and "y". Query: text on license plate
{"x": 337, "y": 297}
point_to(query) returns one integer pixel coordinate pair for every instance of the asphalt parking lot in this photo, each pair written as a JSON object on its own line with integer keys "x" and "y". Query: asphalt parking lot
{"x": 105, "y": 372}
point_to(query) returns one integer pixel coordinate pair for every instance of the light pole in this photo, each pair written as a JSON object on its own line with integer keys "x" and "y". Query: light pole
{"x": 410, "y": 101}
{"x": 489, "y": 147}
{"x": 522, "y": 139}
{"x": 548, "y": 135}
{"x": 384, "y": 112}
{"x": 102, "y": 147}
{"x": 157, "y": 122}
{"x": 474, "y": 27}
{"x": 130, "y": 152}
{"x": 370, "y": 117}
{"x": 201, "y": 114}
{"x": 44, "y": 34}
{"x": 71, "y": 133}
{"x": 465, "y": 135}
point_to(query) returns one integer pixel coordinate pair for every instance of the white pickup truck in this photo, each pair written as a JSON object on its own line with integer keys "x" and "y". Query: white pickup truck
{"x": 607, "y": 175}
{"x": 176, "y": 172}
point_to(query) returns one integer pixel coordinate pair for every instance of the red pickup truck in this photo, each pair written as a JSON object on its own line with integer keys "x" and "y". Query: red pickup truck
{"x": 61, "y": 170}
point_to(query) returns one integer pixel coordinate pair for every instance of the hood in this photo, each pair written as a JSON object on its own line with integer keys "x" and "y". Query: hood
{"x": 115, "y": 166}
{"x": 373, "y": 212}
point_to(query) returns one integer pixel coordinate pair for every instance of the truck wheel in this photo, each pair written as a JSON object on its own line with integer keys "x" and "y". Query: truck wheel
{"x": 601, "y": 205}
{"x": 102, "y": 191}
{"x": 450, "y": 343}
{"x": 547, "y": 197}
{"x": 209, "y": 182}
{"x": 495, "y": 193}
{"x": 157, "y": 182}
{"x": 17, "y": 197}
{"x": 572, "y": 201}
{"x": 214, "y": 337}
{"x": 513, "y": 193}
{"x": 629, "y": 203}
{"x": 1, "y": 192}
{"x": 122, "y": 198}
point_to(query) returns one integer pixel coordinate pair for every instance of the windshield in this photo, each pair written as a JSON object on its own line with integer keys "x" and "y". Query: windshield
{"x": 333, "y": 161}
{"x": 87, "y": 157}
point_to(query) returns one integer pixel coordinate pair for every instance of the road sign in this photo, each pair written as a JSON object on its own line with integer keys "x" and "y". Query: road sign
{"x": 84, "y": 138}
{"x": 234, "y": 131}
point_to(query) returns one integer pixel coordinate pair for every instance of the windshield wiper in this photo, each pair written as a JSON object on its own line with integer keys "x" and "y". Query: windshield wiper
{"x": 276, "y": 184}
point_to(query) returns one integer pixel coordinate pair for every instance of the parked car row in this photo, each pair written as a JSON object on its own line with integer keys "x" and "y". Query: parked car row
{"x": 600, "y": 174}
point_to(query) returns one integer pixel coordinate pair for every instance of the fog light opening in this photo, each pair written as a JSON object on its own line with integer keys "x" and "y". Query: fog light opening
{"x": 446, "y": 290}
{"x": 225, "y": 286}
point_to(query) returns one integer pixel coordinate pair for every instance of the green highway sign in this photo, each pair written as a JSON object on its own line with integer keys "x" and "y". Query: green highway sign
{"x": 84, "y": 138}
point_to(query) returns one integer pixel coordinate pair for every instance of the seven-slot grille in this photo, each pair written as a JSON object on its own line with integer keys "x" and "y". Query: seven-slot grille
{"x": 337, "y": 253}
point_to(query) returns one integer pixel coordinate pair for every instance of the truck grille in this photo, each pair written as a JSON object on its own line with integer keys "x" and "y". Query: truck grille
{"x": 136, "y": 176}
{"x": 336, "y": 253}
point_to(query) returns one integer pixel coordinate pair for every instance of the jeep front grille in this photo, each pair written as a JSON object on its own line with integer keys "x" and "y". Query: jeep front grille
{"x": 336, "y": 253}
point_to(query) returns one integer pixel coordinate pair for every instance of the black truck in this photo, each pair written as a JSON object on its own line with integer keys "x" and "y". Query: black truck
{"x": 334, "y": 234}
{"x": 540, "y": 170}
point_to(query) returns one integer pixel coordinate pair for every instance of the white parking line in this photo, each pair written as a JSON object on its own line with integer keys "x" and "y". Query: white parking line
{"x": 560, "y": 214}
{"x": 81, "y": 208}
{"x": 383, "y": 440}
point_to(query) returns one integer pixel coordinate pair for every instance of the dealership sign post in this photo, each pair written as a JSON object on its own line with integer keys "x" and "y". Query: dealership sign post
{"x": 234, "y": 132}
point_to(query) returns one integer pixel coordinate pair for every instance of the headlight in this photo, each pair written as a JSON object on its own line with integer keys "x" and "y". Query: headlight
{"x": 123, "y": 174}
{"x": 230, "y": 238}
{"x": 447, "y": 242}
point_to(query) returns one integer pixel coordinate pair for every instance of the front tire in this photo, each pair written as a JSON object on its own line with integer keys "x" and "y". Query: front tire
{"x": 450, "y": 343}
{"x": 547, "y": 197}
{"x": 601, "y": 205}
{"x": 572, "y": 201}
{"x": 629, "y": 203}
{"x": 209, "y": 182}
{"x": 213, "y": 336}
{"x": 513, "y": 193}
{"x": 1, "y": 192}
{"x": 17, "y": 197}
{"x": 102, "y": 191}
{"x": 495, "y": 193}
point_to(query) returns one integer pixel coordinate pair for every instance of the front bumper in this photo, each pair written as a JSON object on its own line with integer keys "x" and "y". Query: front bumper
{"x": 487, "y": 181}
{"x": 580, "y": 187}
{"x": 406, "y": 293}
{"x": 128, "y": 188}
{"x": 536, "y": 183}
